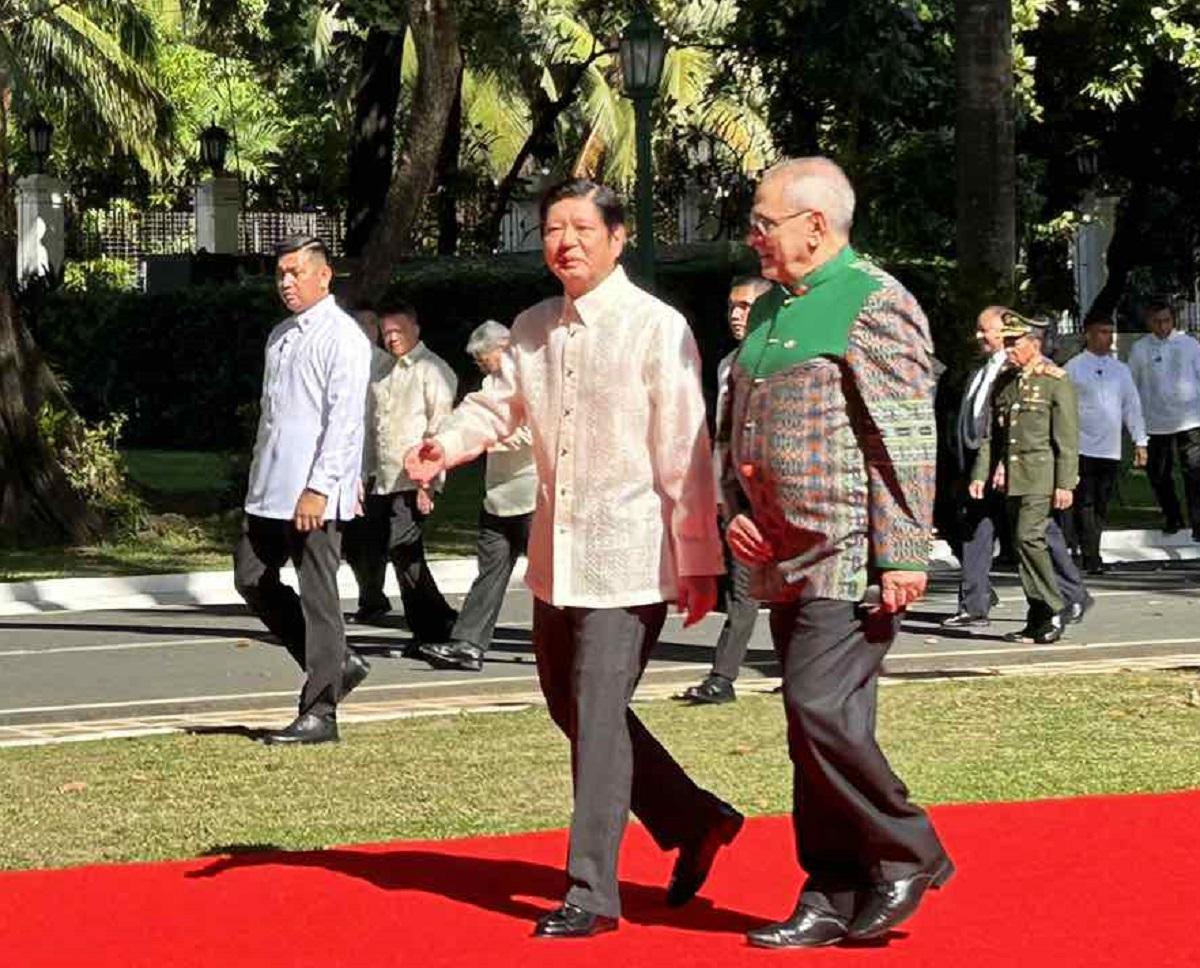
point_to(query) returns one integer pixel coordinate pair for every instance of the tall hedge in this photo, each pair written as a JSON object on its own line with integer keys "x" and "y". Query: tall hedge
{"x": 181, "y": 365}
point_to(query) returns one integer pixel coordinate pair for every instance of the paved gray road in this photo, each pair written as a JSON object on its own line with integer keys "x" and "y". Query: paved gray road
{"x": 75, "y": 674}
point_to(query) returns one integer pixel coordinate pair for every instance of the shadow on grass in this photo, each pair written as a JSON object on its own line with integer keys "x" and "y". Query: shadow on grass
{"x": 254, "y": 734}
{"x": 493, "y": 884}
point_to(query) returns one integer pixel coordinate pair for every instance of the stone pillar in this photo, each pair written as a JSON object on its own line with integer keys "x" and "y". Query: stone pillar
{"x": 1091, "y": 248}
{"x": 40, "y": 229}
{"x": 218, "y": 202}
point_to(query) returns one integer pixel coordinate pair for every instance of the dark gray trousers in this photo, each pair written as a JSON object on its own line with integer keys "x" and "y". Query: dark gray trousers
{"x": 502, "y": 540}
{"x": 741, "y": 612}
{"x": 853, "y": 820}
{"x": 1084, "y": 524}
{"x": 1160, "y": 468}
{"x": 589, "y": 663}
{"x": 981, "y": 524}
{"x": 309, "y": 624}
{"x": 391, "y": 530}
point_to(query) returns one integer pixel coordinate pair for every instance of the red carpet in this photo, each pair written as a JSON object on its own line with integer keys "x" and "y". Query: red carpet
{"x": 1106, "y": 881}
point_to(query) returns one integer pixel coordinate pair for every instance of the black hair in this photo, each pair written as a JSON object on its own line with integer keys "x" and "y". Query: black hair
{"x": 397, "y": 307}
{"x": 1157, "y": 305}
{"x": 609, "y": 203}
{"x": 302, "y": 243}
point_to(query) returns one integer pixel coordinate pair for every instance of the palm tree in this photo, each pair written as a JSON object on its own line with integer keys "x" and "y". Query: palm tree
{"x": 91, "y": 63}
{"x": 986, "y": 149}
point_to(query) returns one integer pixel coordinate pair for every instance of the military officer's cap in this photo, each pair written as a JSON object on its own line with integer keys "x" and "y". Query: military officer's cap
{"x": 1014, "y": 326}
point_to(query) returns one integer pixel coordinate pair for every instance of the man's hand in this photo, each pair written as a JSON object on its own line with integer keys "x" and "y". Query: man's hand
{"x": 310, "y": 511}
{"x": 1063, "y": 498}
{"x": 899, "y": 589}
{"x": 1141, "y": 456}
{"x": 424, "y": 501}
{"x": 424, "y": 461}
{"x": 976, "y": 489}
{"x": 747, "y": 543}
{"x": 697, "y": 596}
{"x": 999, "y": 478}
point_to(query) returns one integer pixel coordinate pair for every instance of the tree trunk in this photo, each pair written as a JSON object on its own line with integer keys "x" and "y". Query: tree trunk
{"x": 369, "y": 163}
{"x": 986, "y": 151}
{"x": 447, "y": 179}
{"x": 434, "y": 24}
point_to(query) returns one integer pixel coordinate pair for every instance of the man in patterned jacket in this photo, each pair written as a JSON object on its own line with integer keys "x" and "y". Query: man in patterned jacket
{"x": 831, "y": 463}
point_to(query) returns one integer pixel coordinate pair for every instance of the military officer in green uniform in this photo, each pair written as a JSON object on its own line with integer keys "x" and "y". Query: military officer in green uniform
{"x": 1033, "y": 456}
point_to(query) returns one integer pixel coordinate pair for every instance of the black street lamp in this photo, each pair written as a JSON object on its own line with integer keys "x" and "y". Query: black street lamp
{"x": 214, "y": 142}
{"x": 643, "y": 49}
{"x": 37, "y": 135}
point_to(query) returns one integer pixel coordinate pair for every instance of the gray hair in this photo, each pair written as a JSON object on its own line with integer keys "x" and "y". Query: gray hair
{"x": 819, "y": 183}
{"x": 487, "y": 337}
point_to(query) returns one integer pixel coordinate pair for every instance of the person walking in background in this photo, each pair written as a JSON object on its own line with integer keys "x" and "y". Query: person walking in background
{"x": 1032, "y": 455}
{"x": 411, "y": 393}
{"x": 984, "y": 519}
{"x": 508, "y": 503}
{"x": 741, "y": 610}
{"x": 607, "y": 378}
{"x": 1165, "y": 364}
{"x": 829, "y": 480}
{"x": 304, "y": 483}
{"x": 1107, "y": 398}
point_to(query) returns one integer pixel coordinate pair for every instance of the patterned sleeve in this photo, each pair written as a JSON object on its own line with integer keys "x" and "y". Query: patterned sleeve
{"x": 889, "y": 358}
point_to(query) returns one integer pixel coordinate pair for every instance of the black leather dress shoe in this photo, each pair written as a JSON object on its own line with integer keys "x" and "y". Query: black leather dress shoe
{"x": 304, "y": 729}
{"x": 453, "y": 655}
{"x": 368, "y": 616}
{"x": 354, "y": 671}
{"x": 696, "y": 860}
{"x": 1049, "y": 631}
{"x": 570, "y": 921}
{"x": 893, "y": 902}
{"x": 806, "y": 928}
{"x": 713, "y": 691}
{"x": 965, "y": 620}
{"x": 1075, "y": 612}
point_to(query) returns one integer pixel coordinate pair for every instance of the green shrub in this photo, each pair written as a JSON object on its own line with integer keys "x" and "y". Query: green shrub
{"x": 186, "y": 366}
{"x": 93, "y": 465}
{"x": 99, "y": 275}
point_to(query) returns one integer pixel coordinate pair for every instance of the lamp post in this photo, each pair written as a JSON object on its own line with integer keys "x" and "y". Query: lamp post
{"x": 37, "y": 135}
{"x": 214, "y": 142}
{"x": 643, "y": 49}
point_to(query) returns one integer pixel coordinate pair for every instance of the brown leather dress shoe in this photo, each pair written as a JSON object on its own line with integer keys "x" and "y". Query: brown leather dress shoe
{"x": 570, "y": 921}
{"x": 893, "y": 902}
{"x": 305, "y": 729}
{"x": 808, "y": 927}
{"x": 696, "y": 860}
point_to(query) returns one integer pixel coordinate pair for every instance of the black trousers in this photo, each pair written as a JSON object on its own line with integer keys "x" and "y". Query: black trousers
{"x": 1160, "y": 468}
{"x": 1089, "y": 512}
{"x": 741, "y": 612}
{"x": 390, "y": 530}
{"x": 309, "y": 624}
{"x": 589, "y": 662}
{"x": 853, "y": 820}
{"x": 502, "y": 540}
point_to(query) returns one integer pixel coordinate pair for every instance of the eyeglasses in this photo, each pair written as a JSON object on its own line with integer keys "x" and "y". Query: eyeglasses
{"x": 762, "y": 226}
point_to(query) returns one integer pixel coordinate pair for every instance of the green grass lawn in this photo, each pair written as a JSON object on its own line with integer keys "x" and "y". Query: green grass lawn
{"x": 188, "y": 486}
{"x": 963, "y": 740}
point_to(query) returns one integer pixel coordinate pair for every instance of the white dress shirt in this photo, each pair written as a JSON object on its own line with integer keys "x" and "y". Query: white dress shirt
{"x": 510, "y": 485}
{"x": 609, "y": 385}
{"x": 1167, "y": 375}
{"x": 310, "y": 429}
{"x": 409, "y": 398}
{"x": 1107, "y": 398}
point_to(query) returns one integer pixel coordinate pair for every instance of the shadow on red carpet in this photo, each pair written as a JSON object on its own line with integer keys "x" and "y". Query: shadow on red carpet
{"x": 1097, "y": 882}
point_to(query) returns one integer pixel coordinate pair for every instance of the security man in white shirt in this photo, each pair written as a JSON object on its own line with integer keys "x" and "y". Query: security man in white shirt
{"x": 1166, "y": 370}
{"x": 509, "y": 499}
{"x": 304, "y": 482}
{"x": 607, "y": 377}
{"x": 411, "y": 393}
{"x": 1107, "y": 398}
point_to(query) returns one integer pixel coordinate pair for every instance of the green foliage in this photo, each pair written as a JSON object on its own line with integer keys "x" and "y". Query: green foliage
{"x": 93, "y": 465}
{"x": 99, "y": 275}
